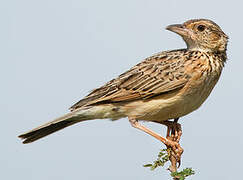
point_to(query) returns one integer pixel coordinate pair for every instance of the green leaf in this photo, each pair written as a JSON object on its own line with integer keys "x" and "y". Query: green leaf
{"x": 163, "y": 157}
{"x": 183, "y": 174}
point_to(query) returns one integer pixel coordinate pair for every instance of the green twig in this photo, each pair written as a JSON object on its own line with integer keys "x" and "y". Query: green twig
{"x": 163, "y": 158}
{"x": 183, "y": 174}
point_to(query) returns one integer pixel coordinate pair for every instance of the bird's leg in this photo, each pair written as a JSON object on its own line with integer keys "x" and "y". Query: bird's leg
{"x": 135, "y": 124}
{"x": 174, "y": 130}
{"x": 173, "y": 137}
{"x": 171, "y": 141}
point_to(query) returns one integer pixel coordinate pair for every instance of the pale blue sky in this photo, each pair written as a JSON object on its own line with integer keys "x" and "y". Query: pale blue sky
{"x": 53, "y": 52}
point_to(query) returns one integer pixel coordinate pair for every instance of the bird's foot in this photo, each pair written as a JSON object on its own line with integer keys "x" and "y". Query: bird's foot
{"x": 173, "y": 137}
{"x": 175, "y": 151}
{"x": 171, "y": 141}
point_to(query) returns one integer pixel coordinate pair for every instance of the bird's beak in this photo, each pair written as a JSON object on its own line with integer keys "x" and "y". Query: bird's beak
{"x": 178, "y": 28}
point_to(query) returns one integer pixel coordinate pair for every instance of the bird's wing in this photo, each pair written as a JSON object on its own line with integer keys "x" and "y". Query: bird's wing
{"x": 158, "y": 74}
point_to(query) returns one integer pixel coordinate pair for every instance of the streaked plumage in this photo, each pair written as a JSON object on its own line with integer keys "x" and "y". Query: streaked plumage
{"x": 165, "y": 86}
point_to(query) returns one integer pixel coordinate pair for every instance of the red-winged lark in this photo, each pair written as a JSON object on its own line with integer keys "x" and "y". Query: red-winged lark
{"x": 163, "y": 87}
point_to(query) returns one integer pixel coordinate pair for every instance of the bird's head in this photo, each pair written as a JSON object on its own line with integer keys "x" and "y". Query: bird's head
{"x": 201, "y": 34}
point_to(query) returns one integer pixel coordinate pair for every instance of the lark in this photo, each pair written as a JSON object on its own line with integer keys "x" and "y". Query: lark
{"x": 162, "y": 88}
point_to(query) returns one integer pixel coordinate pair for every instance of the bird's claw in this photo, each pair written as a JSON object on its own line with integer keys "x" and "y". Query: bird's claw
{"x": 176, "y": 150}
{"x": 173, "y": 137}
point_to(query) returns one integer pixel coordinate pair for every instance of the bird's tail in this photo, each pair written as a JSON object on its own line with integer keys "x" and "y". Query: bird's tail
{"x": 56, "y": 125}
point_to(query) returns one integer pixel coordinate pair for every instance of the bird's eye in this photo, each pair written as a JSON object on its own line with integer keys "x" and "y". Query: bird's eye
{"x": 200, "y": 28}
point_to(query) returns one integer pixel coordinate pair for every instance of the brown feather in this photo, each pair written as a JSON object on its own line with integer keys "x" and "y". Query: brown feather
{"x": 153, "y": 76}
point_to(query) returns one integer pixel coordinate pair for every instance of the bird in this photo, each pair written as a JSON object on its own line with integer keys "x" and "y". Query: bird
{"x": 166, "y": 86}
